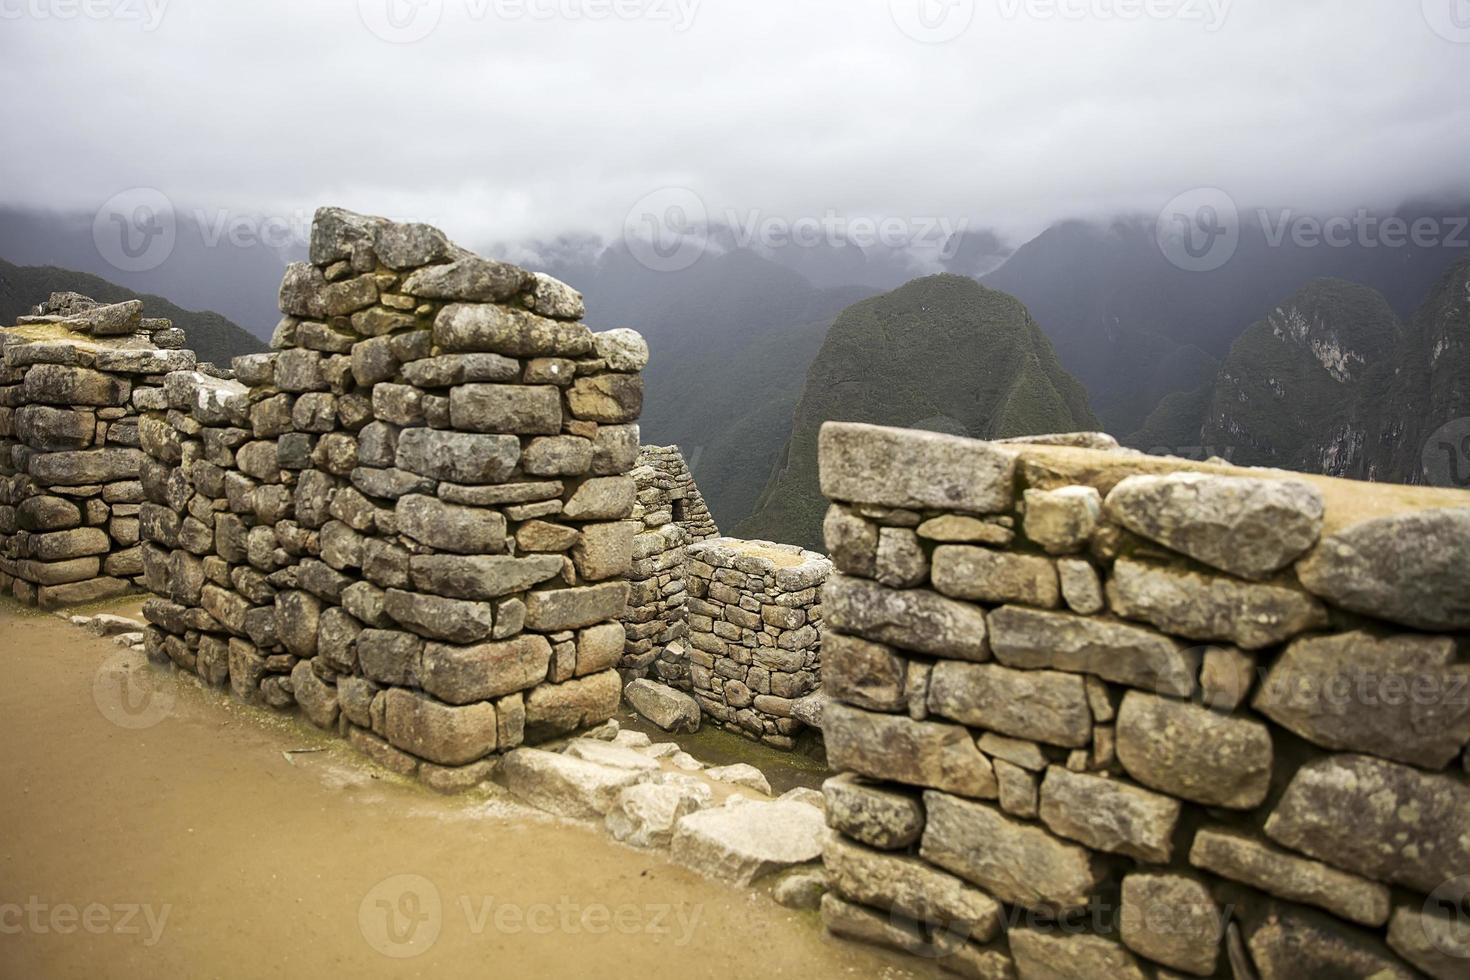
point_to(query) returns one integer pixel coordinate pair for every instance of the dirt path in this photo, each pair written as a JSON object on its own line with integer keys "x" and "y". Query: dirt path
{"x": 165, "y": 834}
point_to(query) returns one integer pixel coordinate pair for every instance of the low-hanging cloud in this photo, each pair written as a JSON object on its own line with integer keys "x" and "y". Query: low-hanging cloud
{"x": 511, "y": 120}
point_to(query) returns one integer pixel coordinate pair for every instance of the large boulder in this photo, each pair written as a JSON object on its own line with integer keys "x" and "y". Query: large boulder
{"x": 1406, "y": 826}
{"x": 1407, "y": 568}
{"x": 870, "y": 464}
{"x": 1191, "y": 752}
{"x": 562, "y": 784}
{"x": 669, "y": 709}
{"x": 1400, "y": 697}
{"x": 918, "y": 753}
{"x": 742, "y": 842}
{"x": 1117, "y": 652}
{"x": 1247, "y": 526}
{"x": 915, "y": 619}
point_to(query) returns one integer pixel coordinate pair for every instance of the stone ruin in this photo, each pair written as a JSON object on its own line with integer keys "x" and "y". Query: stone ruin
{"x": 1106, "y": 715}
{"x": 411, "y": 516}
{"x": 1095, "y": 714}
{"x": 673, "y": 515}
{"x": 754, "y": 634}
{"x": 75, "y": 378}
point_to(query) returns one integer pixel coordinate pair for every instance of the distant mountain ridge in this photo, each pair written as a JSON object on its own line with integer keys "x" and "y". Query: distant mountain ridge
{"x": 208, "y": 334}
{"x": 1333, "y": 381}
{"x": 942, "y": 353}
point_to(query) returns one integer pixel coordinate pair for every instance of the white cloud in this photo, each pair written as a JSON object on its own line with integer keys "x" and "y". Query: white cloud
{"x": 509, "y": 126}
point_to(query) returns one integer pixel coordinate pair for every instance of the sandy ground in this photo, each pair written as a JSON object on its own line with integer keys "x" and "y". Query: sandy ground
{"x": 155, "y": 829}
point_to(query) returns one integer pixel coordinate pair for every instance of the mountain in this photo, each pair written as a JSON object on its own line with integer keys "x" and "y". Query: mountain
{"x": 210, "y": 335}
{"x": 219, "y": 259}
{"x": 730, "y": 339}
{"x": 941, "y": 353}
{"x": 1134, "y": 328}
{"x": 1333, "y": 381}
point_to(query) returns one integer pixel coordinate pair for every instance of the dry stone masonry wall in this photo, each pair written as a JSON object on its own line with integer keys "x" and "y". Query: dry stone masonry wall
{"x": 673, "y": 514}
{"x": 76, "y": 375}
{"x": 411, "y": 517}
{"x": 754, "y": 634}
{"x": 1176, "y": 719}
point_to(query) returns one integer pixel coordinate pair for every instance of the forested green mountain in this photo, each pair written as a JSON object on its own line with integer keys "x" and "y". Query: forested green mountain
{"x": 210, "y": 335}
{"x": 1332, "y": 381}
{"x": 941, "y": 353}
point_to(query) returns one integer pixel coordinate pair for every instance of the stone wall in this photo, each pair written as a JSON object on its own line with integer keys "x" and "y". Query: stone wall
{"x": 75, "y": 376}
{"x": 1179, "y": 717}
{"x": 754, "y": 634}
{"x": 673, "y": 514}
{"x": 411, "y": 517}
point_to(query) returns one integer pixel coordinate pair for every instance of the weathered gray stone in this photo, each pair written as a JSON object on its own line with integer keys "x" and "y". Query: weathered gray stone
{"x": 1208, "y": 607}
{"x": 390, "y": 656}
{"x": 605, "y": 551}
{"x": 470, "y": 278}
{"x": 1194, "y": 753}
{"x": 1407, "y": 568}
{"x": 852, "y": 542}
{"x": 1407, "y": 827}
{"x": 439, "y": 618}
{"x": 461, "y": 457}
{"x": 1041, "y": 705}
{"x": 567, "y": 609}
{"x": 914, "y": 619}
{"x": 1173, "y": 920}
{"x": 564, "y": 785}
{"x": 317, "y": 698}
{"x": 604, "y": 498}
{"x": 1070, "y": 955}
{"x": 1225, "y": 677}
{"x": 86, "y": 466}
{"x": 557, "y": 456}
{"x": 1116, "y": 652}
{"x": 519, "y": 409}
{"x": 1293, "y": 943}
{"x": 1403, "y": 698}
{"x": 910, "y": 887}
{"x": 612, "y": 754}
{"x": 408, "y": 245}
{"x": 556, "y": 709}
{"x": 872, "y": 464}
{"x": 480, "y": 577}
{"x": 463, "y": 675}
{"x": 862, "y": 673}
{"x": 1437, "y": 942}
{"x": 963, "y": 529}
{"x": 645, "y": 814}
{"x": 1017, "y": 862}
{"x": 449, "y": 527}
{"x": 913, "y": 752}
{"x": 1062, "y": 521}
{"x": 1251, "y": 862}
{"x": 298, "y": 615}
{"x": 449, "y": 736}
{"x": 614, "y": 449}
{"x": 1247, "y": 526}
{"x": 669, "y": 709}
{"x": 58, "y": 384}
{"x": 606, "y": 398}
{"x": 738, "y": 844}
{"x": 873, "y": 815}
{"x": 622, "y": 349}
{"x": 501, "y": 330}
{"x": 965, "y": 572}
{"x": 1109, "y": 814}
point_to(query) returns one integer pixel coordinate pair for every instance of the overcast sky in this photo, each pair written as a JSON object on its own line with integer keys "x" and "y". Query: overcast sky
{"x": 516, "y": 119}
